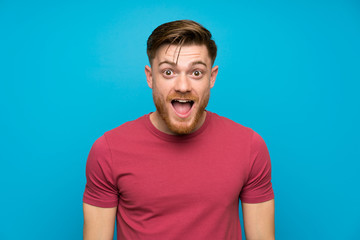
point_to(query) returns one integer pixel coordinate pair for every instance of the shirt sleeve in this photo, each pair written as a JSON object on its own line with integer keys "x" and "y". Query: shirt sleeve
{"x": 100, "y": 189}
{"x": 258, "y": 187}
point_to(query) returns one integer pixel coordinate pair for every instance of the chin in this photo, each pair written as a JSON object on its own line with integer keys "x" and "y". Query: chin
{"x": 182, "y": 127}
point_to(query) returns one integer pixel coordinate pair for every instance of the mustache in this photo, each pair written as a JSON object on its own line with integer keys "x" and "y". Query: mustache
{"x": 187, "y": 96}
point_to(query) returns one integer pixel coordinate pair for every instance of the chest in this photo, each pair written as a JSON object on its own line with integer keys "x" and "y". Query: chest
{"x": 180, "y": 174}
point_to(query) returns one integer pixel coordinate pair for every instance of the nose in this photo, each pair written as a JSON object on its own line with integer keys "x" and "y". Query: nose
{"x": 182, "y": 84}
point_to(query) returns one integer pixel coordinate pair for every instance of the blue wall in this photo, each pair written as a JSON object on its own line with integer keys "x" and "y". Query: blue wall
{"x": 71, "y": 71}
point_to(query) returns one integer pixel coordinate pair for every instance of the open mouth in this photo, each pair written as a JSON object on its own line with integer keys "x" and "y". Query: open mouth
{"x": 182, "y": 107}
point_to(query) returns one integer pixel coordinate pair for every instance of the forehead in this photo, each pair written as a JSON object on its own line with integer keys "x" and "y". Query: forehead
{"x": 182, "y": 55}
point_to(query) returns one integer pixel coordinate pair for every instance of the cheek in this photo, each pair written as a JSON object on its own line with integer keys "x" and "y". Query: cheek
{"x": 203, "y": 89}
{"x": 162, "y": 89}
{"x": 160, "y": 93}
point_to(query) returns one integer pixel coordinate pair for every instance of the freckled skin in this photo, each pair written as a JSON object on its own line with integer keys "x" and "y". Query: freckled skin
{"x": 186, "y": 75}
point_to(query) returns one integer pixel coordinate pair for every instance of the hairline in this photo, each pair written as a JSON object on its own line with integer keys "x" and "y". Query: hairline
{"x": 180, "y": 46}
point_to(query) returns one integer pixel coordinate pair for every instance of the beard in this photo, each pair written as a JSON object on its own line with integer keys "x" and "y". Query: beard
{"x": 181, "y": 126}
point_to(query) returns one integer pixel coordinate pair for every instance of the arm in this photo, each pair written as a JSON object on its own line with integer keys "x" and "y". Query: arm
{"x": 259, "y": 220}
{"x": 99, "y": 222}
{"x": 101, "y": 193}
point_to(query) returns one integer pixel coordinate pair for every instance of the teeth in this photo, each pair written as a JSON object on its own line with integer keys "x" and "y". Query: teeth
{"x": 183, "y": 101}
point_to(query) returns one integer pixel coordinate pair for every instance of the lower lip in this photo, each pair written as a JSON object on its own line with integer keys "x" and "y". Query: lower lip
{"x": 183, "y": 115}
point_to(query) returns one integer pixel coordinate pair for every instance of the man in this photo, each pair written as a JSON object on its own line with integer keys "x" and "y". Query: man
{"x": 178, "y": 173}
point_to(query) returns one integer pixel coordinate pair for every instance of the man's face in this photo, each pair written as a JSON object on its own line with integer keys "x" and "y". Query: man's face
{"x": 181, "y": 86}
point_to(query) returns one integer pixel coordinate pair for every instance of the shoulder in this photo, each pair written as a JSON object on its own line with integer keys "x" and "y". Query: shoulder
{"x": 229, "y": 126}
{"x": 257, "y": 141}
{"x": 234, "y": 131}
{"x": 120, "y": 134}
{"x": 100, "y": 145}
{"x": 126, "y": 129}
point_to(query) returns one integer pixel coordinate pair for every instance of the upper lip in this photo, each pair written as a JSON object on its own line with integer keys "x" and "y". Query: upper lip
{"x": 183, "y": 100}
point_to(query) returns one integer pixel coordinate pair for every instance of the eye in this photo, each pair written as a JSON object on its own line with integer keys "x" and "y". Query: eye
{"x": 197, "y": 73}
{"x": 168, "y": 72}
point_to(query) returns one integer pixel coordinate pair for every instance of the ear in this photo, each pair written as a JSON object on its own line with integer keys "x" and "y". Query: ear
{"x": 214, "y": 72}
{"x": 148, "y": 74}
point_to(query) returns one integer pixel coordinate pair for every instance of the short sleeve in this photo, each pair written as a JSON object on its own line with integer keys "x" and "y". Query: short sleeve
{"x": 258, "y": 187}
{"x": 100, "y": 189}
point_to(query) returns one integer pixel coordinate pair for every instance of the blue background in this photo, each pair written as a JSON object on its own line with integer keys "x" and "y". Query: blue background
{"x": 72, "y": 70}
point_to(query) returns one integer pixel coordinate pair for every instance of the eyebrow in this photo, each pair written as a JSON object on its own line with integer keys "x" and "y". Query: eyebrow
{"x": 167, "y": 62}
{"x": 198, "y": 62}
{"x": 174, "y": 64}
